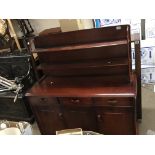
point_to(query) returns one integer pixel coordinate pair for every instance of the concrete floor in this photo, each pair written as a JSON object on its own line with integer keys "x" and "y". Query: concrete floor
{"x": 35, "y": 129}
{"x": 148, "y": 110}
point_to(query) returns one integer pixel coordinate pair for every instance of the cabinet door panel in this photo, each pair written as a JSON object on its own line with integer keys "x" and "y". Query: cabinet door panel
{"x": 80, "y": 118}
{"x": 47, "y": 113}
{"x": 115, "y": 123}
{"x": 49, "y": 121}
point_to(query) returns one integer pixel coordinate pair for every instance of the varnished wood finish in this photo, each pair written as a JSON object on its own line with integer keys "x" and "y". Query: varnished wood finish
{"x": 115, "y": 121}
{"x": 135, "y": 38}
{"x": 79, "y": 116}
{"x": 83, "y": 46}
{"x": 80, "y": 87}
{"x": 88, "y": 55}
{"x": 114, "y": 67}
{"x": 84, "y": 36}
{"x": 114, "y": 101}
{"x": 65, "y": 55}
{"x": 88, "y": 82}
{"x": 76, "y": 101}
{"x": 47, "y": 114}
{"x": 138, "y": 73}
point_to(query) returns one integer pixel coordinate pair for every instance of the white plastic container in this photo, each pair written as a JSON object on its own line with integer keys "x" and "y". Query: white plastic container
{"x": 15, "y": 128}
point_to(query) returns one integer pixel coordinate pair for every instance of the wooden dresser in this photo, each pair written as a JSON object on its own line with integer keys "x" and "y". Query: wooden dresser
{"x": 88, "y": 82}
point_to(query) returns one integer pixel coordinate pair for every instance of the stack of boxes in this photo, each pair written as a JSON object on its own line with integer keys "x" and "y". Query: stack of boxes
{"x": 149, "y": 72}
{"x": 150, "y": 28}
{"x": 148, "y": 52}
{"x": 134, "y": 23}
{"x": 147, "y": 60}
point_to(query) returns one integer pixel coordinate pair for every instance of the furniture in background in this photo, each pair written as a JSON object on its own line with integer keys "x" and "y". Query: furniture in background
{"x": 18, "y": 111}
{"x": 88, "y": 82}
{"x": 15, "y": 64}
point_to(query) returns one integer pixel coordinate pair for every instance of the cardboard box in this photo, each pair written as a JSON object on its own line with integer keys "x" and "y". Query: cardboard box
{"x": 135, "y": 24}
{"x": 110, "y": 22}
{"x": 150, "y": 28}
{"x": 148, "y": 75}
{"x": 147, "y": 52}
{"x": 71, "y": 25}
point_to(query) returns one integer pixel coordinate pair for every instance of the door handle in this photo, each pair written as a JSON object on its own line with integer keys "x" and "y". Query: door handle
{"x": 43, "y": 99}
{"x": 75, "y": 100}
{"x": 112, "y": 102}
{"x": 60, "y": 115}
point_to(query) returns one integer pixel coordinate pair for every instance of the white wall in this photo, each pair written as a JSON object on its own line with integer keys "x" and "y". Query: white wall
{"x": 42, "y": 24}
{"x": 88, "y": 23}
{"x": 75, "y": 24}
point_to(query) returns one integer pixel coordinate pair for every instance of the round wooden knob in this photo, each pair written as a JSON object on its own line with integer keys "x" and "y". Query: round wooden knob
{"x": 43, "y": 99}
{"x": 98, "y": 116}
{"x": 75, "y": 100}
{"x": 60, "y": 115}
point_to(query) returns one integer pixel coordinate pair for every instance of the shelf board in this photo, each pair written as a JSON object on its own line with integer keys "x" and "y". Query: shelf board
{"x": 95, "y": 64}
{"x": 81, "y": 46}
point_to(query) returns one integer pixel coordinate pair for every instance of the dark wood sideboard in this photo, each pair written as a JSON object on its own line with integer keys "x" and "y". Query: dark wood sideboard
{"x": 88, "y": 82}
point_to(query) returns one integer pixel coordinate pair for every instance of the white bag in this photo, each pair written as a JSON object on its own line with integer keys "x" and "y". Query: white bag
{"x": 15, "y": 128}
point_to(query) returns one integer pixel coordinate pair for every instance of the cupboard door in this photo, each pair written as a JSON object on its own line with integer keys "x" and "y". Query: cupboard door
{"x": 116, "y": 122}
{"x": 47, "y": 113}
{"x": 80, "y": 117}
{"x": 49, "y": 121}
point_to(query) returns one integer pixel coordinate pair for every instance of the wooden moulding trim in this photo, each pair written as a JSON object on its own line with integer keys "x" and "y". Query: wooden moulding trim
{"x": 83, "y": 46}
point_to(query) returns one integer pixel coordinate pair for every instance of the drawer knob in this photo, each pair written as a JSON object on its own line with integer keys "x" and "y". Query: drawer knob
{"x": 75, "y": 100}
{"x": 98, "y": 116}
{"x": 60, "y": 115}
{"x": 112, "y": 102}
{"x": 43, "y": 99}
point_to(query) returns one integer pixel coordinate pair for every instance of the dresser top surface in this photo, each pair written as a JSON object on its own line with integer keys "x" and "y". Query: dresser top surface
{"x": 80, "y": 87}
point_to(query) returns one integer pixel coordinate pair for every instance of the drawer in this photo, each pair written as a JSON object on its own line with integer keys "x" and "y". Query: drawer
{"x": 114, "y": 101}
{"x": 75, "y": 101}
{"x": 43, "y": 101}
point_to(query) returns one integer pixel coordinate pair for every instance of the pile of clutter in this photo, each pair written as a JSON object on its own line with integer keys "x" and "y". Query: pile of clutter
{"x": 15, "y": 128}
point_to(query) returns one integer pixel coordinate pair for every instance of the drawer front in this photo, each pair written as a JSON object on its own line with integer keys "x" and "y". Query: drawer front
{"x": 75, "y": 101}
{"x": 114, "y": 101}
{"x": 43, "y": 101}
